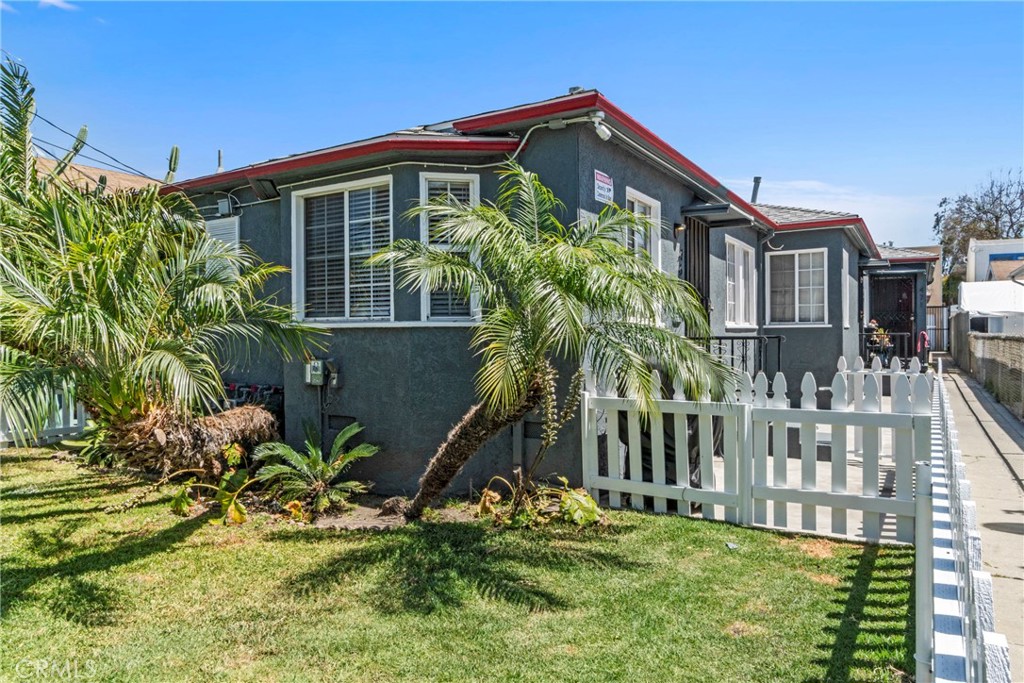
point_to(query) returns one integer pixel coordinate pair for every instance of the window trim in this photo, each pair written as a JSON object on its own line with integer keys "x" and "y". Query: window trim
{"x": 475, "y": 313}
{"x": 751, "y": 288}
{"x": 298, "y": 198}
{"x": 845, "y": 288}
{"x": 768, "y": 287}
{"x": 655, "y": 250}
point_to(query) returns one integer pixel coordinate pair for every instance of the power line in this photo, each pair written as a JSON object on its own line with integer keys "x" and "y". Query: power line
{"x": 57, "y": 159}
{"x": 97, "y": 149}
{"x": 107, "y": 165}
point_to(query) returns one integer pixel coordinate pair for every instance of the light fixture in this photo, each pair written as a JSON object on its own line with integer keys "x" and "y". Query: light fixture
{"x": 264, "y": 188}
{"x": 678, "y": 228}
{"x": 603, "y": 131}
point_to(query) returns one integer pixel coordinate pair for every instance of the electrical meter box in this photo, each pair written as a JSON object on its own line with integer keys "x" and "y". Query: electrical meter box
{"x": 315, "y": 373}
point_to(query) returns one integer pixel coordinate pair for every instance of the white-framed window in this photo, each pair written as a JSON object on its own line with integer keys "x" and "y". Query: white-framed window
{"x": 334, "y": 230}
{"x": 445, "y": 304}
{"x": 846, "y": 289}
{"x": 797, "y": 287}
{"x": 740, "y": 284}
{"x": 641, "y": 204}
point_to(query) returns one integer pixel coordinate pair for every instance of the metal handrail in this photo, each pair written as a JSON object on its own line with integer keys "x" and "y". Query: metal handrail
{"x": 754, "y": 352}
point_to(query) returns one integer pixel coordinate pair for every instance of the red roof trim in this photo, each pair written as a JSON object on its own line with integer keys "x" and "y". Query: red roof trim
{"x": 392, "y": 144}
{"x": 857, "y": 222}
{"x": 530, "y": 111}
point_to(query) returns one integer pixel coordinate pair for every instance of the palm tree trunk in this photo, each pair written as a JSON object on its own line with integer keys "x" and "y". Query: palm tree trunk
{"x": 163, "y": 441}
{"x": 466, "y": 438}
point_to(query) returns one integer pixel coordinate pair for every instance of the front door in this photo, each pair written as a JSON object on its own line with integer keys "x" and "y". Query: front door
{"x": 892, "y": 304}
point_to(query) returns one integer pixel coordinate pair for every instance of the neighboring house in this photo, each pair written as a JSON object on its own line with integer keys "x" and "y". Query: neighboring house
{"x": 86, "y": 177}
{"x": 993, "y": 292}
{"x": 993, "y": 259}
{"x": 404, "y": 365}
{"x": 935, "y": 278}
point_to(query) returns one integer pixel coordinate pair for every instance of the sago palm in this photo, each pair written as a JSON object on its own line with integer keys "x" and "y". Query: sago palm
{"x": 310, "y": 478}
{"x": 549, "y": 291}
{"x": 122, "y": 296}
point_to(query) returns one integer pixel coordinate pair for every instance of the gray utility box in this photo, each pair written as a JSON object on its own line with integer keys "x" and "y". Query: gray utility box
{"x": 316, "y": 373}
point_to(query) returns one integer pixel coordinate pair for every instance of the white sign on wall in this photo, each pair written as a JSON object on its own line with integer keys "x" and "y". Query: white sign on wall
{"x": 604, "y": 189}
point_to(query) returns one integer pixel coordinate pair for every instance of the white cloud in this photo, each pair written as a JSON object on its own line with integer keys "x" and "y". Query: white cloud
{"x": 59, "y": 4}
{"x": 6, "y": 7}
{"x": 904, "y": 219}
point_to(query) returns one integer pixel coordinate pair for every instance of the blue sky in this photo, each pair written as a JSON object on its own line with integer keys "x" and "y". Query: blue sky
{"x": 876, "y": 108}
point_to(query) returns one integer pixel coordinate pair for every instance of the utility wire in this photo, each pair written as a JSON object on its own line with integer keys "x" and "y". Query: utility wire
{"x": 97, "y": 149}
{"x": 107, "y": 165}
{"x": 57, "y": 159}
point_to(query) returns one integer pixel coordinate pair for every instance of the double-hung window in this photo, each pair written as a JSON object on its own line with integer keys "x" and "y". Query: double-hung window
{"x": 740, "y": 284}
{"x": 464, "y": 189}
{"x": 336, "y": 230}
{"x": 649, "y": 208}
{"x": 796, "y": 287}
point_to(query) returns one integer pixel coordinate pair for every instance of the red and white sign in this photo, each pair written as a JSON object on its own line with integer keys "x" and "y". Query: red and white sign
{"x": 604, "y": 188}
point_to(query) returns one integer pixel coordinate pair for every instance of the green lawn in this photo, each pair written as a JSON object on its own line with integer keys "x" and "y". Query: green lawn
{"x": 145, "y": 596}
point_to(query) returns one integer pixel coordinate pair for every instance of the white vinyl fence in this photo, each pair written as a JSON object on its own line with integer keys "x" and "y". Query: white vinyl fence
{"x": 765, "y": 463}
{"x": 964, "y": 645}
{"x": 68, "y": 420}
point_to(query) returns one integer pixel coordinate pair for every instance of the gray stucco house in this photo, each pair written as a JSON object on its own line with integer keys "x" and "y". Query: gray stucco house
{"x": 403, "y": 363}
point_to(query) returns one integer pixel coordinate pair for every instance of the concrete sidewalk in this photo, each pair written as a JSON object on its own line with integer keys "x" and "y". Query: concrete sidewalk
{"x": 992, "y": 443}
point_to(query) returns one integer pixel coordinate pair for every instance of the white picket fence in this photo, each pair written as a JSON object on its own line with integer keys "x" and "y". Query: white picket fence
{"x": 750, "y": 477}
{"x": 68, "y": 420}
{"x": 958, "y": 599}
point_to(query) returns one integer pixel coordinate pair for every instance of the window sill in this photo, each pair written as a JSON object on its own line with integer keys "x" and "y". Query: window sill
{"x": 738, "y": 327}
{"x": 809, "y": 326}
{"x": 385, "y": 324}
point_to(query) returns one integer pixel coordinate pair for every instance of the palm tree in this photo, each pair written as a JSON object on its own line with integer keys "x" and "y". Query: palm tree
{"x": 124, "y": 297}
{"x": 550, "y": 291}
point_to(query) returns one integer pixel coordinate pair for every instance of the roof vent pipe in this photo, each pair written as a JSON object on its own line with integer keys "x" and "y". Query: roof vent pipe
{"x": 757, "y": 186}
{"x": 220, "y": 161}
{"x": 575, "y": 89}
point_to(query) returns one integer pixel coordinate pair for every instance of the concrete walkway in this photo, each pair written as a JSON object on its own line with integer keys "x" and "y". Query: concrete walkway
{"x": 992, "y": 443}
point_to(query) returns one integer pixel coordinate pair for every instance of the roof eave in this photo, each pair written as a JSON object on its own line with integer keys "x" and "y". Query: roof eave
{"x": 366, "y": 148}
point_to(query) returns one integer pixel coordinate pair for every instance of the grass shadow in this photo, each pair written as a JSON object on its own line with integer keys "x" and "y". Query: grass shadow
{"x": 423, "y": 567}
{"x": 19, "y": 580}
{"x": 874, "y": 625}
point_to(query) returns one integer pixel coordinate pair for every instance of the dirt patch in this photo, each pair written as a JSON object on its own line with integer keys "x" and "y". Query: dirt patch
{"x": 758, "y": 607}
{"x": 741, "y": 629}
{"x": 365, "y": 515}
{"x": 824, "y": 579}
{"x": 818, "y": 548}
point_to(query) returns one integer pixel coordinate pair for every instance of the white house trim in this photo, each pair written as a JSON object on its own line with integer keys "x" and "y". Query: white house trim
{"x": 749, "y": 289}
{"x": 796, "y": 303}
{"x": 474, "y": 199}
{"x": 655, "y": 232}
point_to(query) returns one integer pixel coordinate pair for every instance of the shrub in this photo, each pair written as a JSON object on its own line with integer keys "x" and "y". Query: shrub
{"x": 309, "y": 478}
